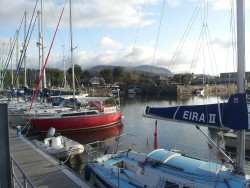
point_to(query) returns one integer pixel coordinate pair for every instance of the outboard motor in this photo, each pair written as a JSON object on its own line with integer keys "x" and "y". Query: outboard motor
{"x": 50, "y": 132}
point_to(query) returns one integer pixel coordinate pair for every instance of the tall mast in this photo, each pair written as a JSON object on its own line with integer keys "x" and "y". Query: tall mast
{"x": 17, "y": 56}
{"x": 2, "y": 78}
{"x": 42, "y": 44}
{"x": 71, "y": 49}
{"x": 39, "y": 45}
{"x": 64, "y": 68}
{"x": 25, "y": 50}
{"x": 11, "y": 64}
{"x": 240, "y": 159}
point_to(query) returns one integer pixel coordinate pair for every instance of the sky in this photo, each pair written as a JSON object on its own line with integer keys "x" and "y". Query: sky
{"x": 184, "y": 36}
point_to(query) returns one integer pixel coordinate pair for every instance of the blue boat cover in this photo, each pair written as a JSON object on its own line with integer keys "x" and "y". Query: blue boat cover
{"x": 231, "y": 115}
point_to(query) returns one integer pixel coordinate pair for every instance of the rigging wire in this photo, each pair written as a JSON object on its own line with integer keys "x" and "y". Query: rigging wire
{"x": 24, "y": 52}
{"x": 232, "y": 38}
{"x": 46, "y": 61}
{"x": 196, "y": 52}
{"x": 5, "y": 52}
{"x": 11, "y": 51}
{"x": 12, "y": 46}
{"x": 137, "y": 32}
{"x": 26, "y": 42}
{"x": 185, "y": 34}
{"x": 86, "y": 28}
{"x": 156, "y": 44}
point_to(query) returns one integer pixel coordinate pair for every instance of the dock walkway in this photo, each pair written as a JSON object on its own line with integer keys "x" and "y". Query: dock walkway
{"x": 42, "y": 169}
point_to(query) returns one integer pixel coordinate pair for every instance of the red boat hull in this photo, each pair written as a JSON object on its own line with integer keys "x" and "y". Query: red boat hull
{"x": 76, "y": 123}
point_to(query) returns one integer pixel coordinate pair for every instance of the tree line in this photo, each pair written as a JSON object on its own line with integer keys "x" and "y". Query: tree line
{"x": 55, "y": 77}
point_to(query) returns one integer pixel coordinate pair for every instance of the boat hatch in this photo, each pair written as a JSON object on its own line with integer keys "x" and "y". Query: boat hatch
{"x": 128, "y": 165}
{"x": 162, "y": 156}
{"x": 211, "y": 167}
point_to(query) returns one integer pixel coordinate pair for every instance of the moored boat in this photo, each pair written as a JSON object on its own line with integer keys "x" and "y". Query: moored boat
{"x": 119, "y": 167}
{"x": 76, "y": 120}
{"x": 92, "y": 117}
{"x": 59, "y": 146}
{"x": 230, "y": 140}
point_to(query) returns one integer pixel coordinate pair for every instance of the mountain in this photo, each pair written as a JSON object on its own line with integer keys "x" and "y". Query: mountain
{"x": 147, "y": 69}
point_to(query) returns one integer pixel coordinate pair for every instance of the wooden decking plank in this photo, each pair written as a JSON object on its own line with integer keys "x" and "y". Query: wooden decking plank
{"x": 42, "y": 169}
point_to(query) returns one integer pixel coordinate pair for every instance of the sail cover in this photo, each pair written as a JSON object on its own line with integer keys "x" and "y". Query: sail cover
{"x": 231, "y": 115}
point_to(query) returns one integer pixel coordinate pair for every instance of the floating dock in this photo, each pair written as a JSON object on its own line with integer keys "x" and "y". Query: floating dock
{"x": 40, "y": 169}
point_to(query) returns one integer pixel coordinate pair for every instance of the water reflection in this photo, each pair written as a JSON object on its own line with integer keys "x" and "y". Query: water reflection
{"x": 78, "y": 162}
{"x": 85, "y": 137}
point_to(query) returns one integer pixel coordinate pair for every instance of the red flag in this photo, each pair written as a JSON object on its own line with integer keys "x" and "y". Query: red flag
{"x": 155, "y": 136}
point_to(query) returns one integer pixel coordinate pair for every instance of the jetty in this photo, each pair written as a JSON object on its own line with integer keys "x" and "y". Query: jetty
{"x": 22, "y": 164}
{"x": 41, "y": 169}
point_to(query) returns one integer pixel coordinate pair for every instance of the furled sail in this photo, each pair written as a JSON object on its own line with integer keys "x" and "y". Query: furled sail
{"x": 231, "y": 115}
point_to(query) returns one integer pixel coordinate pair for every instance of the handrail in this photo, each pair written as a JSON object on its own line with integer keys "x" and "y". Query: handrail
{"x": 26, "y": 180}
{"x": 99, "y": 148}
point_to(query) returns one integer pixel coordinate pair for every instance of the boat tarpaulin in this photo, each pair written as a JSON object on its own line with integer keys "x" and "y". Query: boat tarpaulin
{"x": 231, "y": 115}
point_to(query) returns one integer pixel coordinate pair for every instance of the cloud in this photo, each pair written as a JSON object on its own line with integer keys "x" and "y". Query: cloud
{"x": 105, "y": 18}
{"x": 225, "y": 4}
{"x": 210, "y": 60}
{"x": 107, "y": 42}
{"x": 174, "y": 3}
{"x": 94, "y": 13}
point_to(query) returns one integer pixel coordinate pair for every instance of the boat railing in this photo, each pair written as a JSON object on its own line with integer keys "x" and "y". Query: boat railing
{"x": 109, "y": 146}
{"x": 20, "y": 180}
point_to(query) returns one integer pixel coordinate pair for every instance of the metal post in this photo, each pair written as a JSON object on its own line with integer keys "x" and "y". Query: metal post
{"x": 42, "y": 44}
{"x": 25, "y": 49}
{"x": 17, "y": 57}
{"x": 5, "y": 168}
{"x": 240, "y": 159}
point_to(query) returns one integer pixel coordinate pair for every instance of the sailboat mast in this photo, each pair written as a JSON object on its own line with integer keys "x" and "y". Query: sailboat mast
{"x": 71, "y": 49}
{"x": 39, "y": 45}
{"x": 24, "y": 47}
{"x": 17, "y": 56}
{"x": 42, "y": 44}
{"x": 2, "y": 78}
{"x": 64, "y": 68}
{"x": 11, "y": 64}
{"x": 240, "y": 159}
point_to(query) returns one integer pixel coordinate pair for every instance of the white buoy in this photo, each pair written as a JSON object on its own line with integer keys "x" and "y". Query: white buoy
{"x": 50, "y": 132}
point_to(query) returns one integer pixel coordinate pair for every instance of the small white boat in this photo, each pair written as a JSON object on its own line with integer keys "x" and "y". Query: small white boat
{"x": 59, "y": 146}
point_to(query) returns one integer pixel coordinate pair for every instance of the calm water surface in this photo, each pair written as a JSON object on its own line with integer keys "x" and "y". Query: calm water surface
{"x": 171, "y": 135}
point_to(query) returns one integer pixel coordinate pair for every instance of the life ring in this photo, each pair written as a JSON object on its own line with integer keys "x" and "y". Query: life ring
{"x": 87, "y": 172}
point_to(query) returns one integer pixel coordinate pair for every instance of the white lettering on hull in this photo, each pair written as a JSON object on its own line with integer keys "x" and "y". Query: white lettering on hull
{"x": 195, "y": 116}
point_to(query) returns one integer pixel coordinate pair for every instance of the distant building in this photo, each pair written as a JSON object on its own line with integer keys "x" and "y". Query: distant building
{"x": 231, "y": 77}
{"x": 95, "y": 81}
{"x": 204, "y": 79}
{"x": 160, "y": 80}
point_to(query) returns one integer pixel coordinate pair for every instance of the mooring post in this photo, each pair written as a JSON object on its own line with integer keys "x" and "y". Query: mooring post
{"x": 5, "y": 168}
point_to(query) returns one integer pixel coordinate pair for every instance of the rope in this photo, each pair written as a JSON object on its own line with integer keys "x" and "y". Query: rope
{"x": 67, "y": 157}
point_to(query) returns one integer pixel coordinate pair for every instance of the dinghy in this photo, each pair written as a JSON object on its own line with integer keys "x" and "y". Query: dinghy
{"x": 59, "y": 146}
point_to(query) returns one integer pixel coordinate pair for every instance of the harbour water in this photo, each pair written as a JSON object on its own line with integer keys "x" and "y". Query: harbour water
{"x": 171, "y": 135}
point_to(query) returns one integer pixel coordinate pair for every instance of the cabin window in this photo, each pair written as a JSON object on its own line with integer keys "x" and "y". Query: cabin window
{"x": 186, "y": 186}
{"x": 169, "y": 184}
